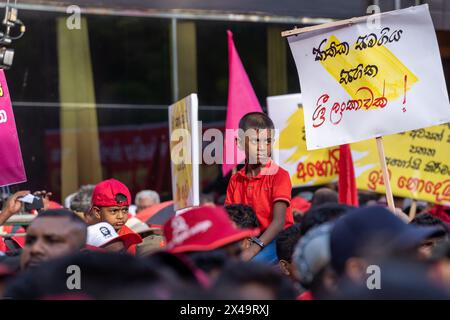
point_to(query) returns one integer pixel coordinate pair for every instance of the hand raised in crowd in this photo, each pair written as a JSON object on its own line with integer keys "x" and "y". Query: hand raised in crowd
{"x": 12, "y": 205}
{"x": 45, "y": 197}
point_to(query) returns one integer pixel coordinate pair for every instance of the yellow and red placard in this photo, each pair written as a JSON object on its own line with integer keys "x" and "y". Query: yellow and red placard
{"x": 418, "y": 160}
{"x": 360, "y": 82}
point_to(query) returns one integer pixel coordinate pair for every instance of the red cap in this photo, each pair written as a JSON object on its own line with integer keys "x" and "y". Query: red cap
{"x": 300, "y": 204}
{"x": 105, "y": 193}
{"x": 203, "y": 229}
{"x": 54, "y": 205}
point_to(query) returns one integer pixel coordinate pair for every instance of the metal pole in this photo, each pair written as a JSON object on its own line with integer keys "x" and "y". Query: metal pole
{"x": 174, "y": 47}
{"x": 398, "y": 4}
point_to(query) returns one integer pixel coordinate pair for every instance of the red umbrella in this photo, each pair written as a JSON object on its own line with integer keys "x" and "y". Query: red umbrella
{"x": 157, "y": 214}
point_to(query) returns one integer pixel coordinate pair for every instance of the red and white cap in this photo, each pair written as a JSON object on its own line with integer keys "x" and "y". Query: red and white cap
{"x": 102, "y": 233}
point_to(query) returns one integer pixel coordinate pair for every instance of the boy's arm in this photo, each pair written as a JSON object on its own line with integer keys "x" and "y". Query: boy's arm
{"x": 281, "y": 195}
{"x": 275, "y": 227}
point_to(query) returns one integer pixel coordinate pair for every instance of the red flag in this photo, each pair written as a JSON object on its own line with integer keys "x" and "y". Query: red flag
{"x": 347, "y": 183}
{"x": 241, "y": 100}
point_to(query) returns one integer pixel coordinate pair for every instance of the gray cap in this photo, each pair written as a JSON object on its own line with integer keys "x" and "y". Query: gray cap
{"x": 312, "y": 252}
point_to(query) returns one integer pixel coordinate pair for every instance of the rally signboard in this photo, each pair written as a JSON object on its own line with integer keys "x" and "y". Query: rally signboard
{"x": 11, "y": 165}
{"x": 359, "y": 81}
{"x": 418, "y": 161}
{"x": 184, "y": 152}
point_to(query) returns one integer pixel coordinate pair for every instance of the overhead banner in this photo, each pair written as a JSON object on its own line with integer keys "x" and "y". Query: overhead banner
{"x": 418, "y": 161}
{"x": 184, "y": 152}
{"x": 361, "y": 82}
{"x": 12, "y": 170}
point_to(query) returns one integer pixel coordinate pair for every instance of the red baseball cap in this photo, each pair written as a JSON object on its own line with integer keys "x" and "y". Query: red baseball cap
{"x": 105, "y": 193}
{"x": 301, "y": 204}
{"x": 203, "y": 229}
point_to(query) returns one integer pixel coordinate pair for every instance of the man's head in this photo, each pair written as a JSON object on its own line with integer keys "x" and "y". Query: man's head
{"x": 311, "y": 261}
{"x": 244, "y": 217}
{"x": 426, "y": 219}
{"x": 145, "y": 199}
{"x": 286, "y": 241}
{"x": 110, "y": 202}
{"x": 321, "y": 214}
{"x": 53, "y": 233}
{"x": 256, "y": 131}
{"x": 80, "y": 203}
{"x": 366, "y": 235}
{"x": 324, "y": 195}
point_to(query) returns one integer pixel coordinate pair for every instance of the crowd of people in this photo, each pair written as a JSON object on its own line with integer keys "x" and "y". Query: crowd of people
{"x": 262, "y": 243}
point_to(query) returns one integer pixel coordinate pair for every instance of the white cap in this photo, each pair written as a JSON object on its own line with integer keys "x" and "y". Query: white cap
{"x": 100, "y": 234}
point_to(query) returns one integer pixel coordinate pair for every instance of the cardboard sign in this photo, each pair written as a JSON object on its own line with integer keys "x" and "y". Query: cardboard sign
{"x": 360, "y": 82}
{"x": 184, "y": 152}
{"x": 418, "y": 161}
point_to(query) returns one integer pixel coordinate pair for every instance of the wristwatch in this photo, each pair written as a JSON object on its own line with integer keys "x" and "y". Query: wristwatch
{"x": 258, "y": 242}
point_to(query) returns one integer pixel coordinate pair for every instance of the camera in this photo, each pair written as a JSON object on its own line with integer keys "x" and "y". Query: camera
{"x": 32, "y": 203}
{"x": 10, "y": 22}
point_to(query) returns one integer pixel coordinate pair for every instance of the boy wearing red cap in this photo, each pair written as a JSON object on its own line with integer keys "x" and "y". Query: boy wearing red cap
{"x": 261, "y": 184}
{"x": 110, "y": 202}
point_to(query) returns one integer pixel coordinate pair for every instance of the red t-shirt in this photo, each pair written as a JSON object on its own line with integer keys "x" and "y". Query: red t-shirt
{"x": 261, "y": 192}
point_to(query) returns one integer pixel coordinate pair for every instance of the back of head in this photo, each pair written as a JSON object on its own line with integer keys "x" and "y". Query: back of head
{"x": 426, "y": 219}
{"x": 242, "y": 215}
{"x": 151, "y": 194}
{"x": 102, "y": 276}
{"x": 237, "y": 278}
{"x": 81, "y": 201}
{"x": 324, "y": 195}
{"x": 321, "y": 214}
{"x": 286, "y": 241}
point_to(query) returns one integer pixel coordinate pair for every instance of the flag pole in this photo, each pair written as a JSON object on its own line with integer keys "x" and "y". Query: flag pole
{"x": 413, "y": 210}
{"x": 384, "y": 169}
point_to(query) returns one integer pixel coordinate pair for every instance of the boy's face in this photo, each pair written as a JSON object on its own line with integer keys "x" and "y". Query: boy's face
{"x": 116, "y": 216}
{"x": 257, "y": 145}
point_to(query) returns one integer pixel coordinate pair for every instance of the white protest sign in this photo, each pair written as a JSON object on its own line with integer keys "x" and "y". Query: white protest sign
{"x": 360, "y": 83}
{"x": 184, "y": 152}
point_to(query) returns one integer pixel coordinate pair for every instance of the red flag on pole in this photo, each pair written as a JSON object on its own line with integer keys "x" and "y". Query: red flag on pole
{"x": 241, "y": 100}
{"x": 347, "y": 184}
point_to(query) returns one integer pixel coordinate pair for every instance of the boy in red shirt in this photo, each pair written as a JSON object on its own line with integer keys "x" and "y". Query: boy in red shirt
{"x": 110, "y": 202}
{"x": 261, "y": 184}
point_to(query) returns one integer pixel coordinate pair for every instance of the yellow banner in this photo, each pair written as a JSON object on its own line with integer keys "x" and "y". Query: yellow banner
{"x": 418, "y": 160}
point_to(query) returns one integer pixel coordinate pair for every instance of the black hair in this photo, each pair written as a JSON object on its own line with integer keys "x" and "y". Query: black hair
{"x": 239, "y": 274}
{"x": 103, "y": 276}
{"x": 255, "y": 120}
{"x": 321, "y": 214}
{"x": 216, "y": 259}
{"x": 61, "y": 213}
{"x": 121, "y": 198}
{"x": 286, "y": 241}
{"x": 242, "y": 215}
{"x": 426, "y": 219}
